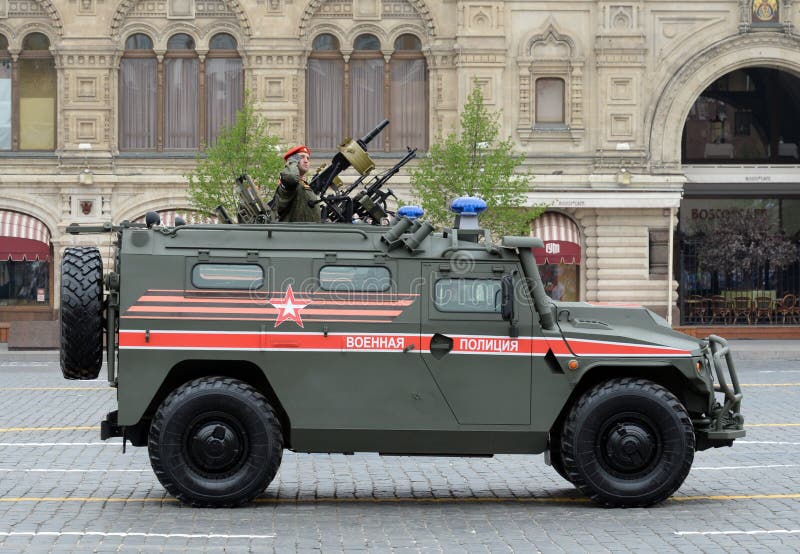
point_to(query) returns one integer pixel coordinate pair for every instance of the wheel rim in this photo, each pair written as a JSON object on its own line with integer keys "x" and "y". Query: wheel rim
{"x": 216, "y": 445}
{"x": 628, "y": 445}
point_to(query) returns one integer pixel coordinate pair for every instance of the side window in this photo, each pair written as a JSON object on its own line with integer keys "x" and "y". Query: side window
{"x": 227, "y": 276}
{"x": 467, "y": 295}
{"x": 346, "y": 278}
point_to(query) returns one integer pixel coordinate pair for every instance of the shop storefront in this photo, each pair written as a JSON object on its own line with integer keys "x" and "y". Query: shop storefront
{"x": 559, "y": 260}
{"x": 26, "y": 273}
{"x": 739, "y": 261}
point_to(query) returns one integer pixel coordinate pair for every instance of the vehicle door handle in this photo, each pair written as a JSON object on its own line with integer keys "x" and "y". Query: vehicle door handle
{"x": 440, "y": 345}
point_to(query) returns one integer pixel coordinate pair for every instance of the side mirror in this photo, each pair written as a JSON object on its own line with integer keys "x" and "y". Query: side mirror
{"x": 507, "y": 303}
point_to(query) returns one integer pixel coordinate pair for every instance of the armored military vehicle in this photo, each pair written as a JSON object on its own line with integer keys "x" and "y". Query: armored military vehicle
{"x": 229, "y": 343}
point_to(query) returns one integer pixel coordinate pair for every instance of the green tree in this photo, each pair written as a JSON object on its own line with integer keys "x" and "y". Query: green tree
{"x": 476, "y": 163}
{"x": 246, "y": 146}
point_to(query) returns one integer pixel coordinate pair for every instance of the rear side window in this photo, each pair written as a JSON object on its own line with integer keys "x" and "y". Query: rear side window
{"x": 227, "y": 276}
{"x": 347, "y": 278}
{"x": 468, "y": 295}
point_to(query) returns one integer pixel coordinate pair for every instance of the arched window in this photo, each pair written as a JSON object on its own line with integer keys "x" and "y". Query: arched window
{"x": 224, "y": 85}
{"x": 181, "y": 129}
{"x": 28, "y": 95}
{"x": 325, "y": 94}
{"x": 409, "y": 94}
{"x": 138, "y": 95}
{"x": 162, "y": 105}
{"x": 366, "y": 88}
{"x": 350, "y": 98}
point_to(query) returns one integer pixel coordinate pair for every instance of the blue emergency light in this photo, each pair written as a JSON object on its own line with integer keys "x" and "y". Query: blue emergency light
{"x": 465, "y": 205}
{"x": 411, "y": 212}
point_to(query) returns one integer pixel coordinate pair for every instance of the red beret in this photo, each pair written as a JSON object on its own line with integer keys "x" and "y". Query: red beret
{"x": 297, "y": 150}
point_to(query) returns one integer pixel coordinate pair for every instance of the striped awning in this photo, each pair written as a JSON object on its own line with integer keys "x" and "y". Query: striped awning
{"x": 23, "y": 237}
{"x": 189, "y": 216}
{"x": 562, "y": 239}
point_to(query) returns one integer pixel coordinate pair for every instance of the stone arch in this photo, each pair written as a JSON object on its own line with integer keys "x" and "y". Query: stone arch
{"x": 366, "y": 29}
{"x": 137, "y": 209}
{"x": 34, "y": 27}
{"x": 419, "y": 5}
{"x": 33, "y": 209}
{"x": 214, "y": 28}
{"x": 329, "y": 29}
{"x": 125, "y": 7}
{"x": 176, "y": 28}
{"x": 138, "y": 27}
{"x": 681, "y": 89}
{"x": 408, "y": 29}
{"x": 551, "y": 33}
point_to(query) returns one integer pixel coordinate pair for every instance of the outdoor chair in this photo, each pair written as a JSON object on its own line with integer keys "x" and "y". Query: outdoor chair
{"x": 698, "y": 308}
{"x": 720, "y": 309}
{"x": 742, "y": 307}
{"x": 763, "y": 308}
{"x": 785, "y": 308}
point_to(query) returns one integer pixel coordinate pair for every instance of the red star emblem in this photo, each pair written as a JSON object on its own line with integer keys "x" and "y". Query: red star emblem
{"x": 288, "y": 308}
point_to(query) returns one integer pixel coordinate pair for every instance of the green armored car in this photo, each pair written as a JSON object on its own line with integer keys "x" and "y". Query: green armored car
{"x": 229, "y": 343}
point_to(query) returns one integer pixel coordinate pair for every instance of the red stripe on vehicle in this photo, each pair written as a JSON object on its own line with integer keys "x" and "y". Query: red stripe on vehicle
{"x": 582, "y": 347}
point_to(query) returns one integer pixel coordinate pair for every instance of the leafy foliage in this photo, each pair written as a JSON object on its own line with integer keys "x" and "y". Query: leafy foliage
{"x": 247, "y": 146}
{"x": 475, "y": 163}
{"x": 749, "y": 241}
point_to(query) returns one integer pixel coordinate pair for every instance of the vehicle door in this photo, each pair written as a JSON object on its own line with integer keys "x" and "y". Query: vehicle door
{"x": 483, "y": 372}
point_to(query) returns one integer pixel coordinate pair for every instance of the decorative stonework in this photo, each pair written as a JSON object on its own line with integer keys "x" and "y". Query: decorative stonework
{"x": 672, "y": 31}
{"x": 159, "y": 8}
{"x": 666, "y": 118}
{"x": 398, "y": 8}
{"x": 316, "y": 8}
{"x": 551, "y": 54}
{"x": 25, "y": 8}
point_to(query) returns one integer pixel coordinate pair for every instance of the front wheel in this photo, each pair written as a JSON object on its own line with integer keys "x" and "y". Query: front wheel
{"x": 215, "y": 442}
{"x": 628, "y": 443}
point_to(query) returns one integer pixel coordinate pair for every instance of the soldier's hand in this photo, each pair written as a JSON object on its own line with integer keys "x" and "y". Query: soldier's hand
{"x": 290, "y": 176}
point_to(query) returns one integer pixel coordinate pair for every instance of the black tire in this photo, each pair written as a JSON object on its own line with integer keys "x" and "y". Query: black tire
{"x": 215, "y": 442}
{"x": 556, "y": 459}
{"x": 628, "y": 443}
{"x": 81, "y": 312}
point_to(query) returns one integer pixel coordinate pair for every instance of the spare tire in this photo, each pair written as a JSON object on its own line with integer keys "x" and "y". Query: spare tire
{"x": 81, "y": 313}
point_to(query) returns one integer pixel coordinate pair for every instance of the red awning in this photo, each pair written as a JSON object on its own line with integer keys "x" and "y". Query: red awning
{"x": 562, "y": 239}
{"x": 189, "y": 216}
{"x": 23, "y": 237}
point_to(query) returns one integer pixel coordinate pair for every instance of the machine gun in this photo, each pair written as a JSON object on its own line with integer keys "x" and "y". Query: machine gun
{"x": 351, "y": 152}
{"x": 251, "y": 208}
{"x": 370, "y": 202}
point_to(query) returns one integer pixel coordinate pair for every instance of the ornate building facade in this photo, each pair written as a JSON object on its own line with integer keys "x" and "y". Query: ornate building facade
{"x": 617, "y": 106}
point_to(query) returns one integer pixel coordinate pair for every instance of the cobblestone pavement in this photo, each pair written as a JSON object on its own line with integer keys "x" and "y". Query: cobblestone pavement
{"x": 65, "y": 490}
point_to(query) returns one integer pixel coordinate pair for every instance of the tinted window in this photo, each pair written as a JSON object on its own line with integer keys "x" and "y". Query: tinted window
{"x": 181, "y": 41}
{"x": 222, "y": 41}
{"x": 344, "y": 278}
{"x": 407, "y": 42}
{"x": 325, "y": 42}
{"x": 468, "y": 295}
{"x": 138, "y": 42}
{"x": 36, "y": 41}
{"x": 227, "y": 276}
{"x": 366, "y": 42}
{"x": 3, "y": 43}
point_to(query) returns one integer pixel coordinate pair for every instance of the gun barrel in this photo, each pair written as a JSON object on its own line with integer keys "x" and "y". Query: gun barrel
{"x": 374, "y": 133}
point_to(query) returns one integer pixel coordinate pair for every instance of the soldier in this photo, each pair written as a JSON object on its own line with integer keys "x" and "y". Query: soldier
{"x": 294, "y": 199}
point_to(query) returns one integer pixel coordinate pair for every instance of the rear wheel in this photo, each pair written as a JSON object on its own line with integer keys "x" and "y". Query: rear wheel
{"x": 628, "y": 443}
{"x": 215, "y": 442}
{"x": 81, "y": 312}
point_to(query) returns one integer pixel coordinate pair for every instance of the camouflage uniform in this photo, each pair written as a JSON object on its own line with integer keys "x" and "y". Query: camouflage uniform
{"x": 294, "y": 200}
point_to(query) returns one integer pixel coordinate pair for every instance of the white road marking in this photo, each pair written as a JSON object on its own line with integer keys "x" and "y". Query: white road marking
{"x": 132, "y": 534}
{"x": 754, "y": 532}
{"x": 60, "y": 444}
{"x": 748, "y": 467}
{"x": 766, "y": 442}
{"x": 11, "y": 470}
